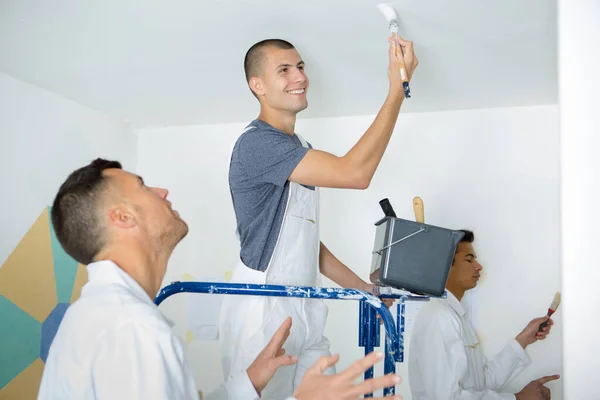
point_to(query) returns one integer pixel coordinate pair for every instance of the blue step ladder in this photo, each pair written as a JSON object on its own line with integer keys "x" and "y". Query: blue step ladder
{"x": 369, "y": 307}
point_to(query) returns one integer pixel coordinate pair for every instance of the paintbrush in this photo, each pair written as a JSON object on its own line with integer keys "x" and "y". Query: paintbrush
{"x": 551, "y": 310}
{"x": 390, "y": 15}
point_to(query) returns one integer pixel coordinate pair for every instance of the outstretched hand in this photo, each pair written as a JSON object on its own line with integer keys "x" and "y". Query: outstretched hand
{"x": 342, "y": 386}
{"x": 271, "y": 358}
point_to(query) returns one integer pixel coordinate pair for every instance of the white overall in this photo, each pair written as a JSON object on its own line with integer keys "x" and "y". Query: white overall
{"x": 248, "y": 322}
{"x": 447, "y": 362}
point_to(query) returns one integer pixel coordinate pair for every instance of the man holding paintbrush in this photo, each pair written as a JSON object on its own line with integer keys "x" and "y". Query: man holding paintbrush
{"x": 446, "y": 360}
{"x": 274, "y": 179}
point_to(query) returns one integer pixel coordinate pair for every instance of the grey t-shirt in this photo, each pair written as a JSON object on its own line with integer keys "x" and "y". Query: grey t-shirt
{"x": 261, "y": 162}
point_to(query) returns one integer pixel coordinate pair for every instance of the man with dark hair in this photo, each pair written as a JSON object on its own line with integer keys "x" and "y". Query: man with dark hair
{"x": 274, "y": 178}
{"x": 255, "y": 57}
{"x": 74, "y": 213}
{"x": 445, "y": 359}
{"x": 113, "y": 342}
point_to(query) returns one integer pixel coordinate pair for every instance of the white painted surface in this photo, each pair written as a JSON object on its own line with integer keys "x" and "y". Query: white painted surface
{"x": 493, "y": 171}
{"x": 161, "y": 63}
{"x": 193, "y": 163}
{"x": 580, "y": 174}
{"x": 44, "y": 137}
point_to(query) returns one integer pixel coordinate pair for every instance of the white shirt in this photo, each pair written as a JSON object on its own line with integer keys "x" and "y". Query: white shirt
{"x": 114, "y": 343}
{"x": 446, "y": 360}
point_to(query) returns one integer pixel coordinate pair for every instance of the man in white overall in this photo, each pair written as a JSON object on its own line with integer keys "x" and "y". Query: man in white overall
{"x": 113, "y": 342}
{"x": 445, "y": 359}
{"x": 274, "y": 178}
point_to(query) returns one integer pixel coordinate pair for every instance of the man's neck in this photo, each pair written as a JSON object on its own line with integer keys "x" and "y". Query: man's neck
{"x": 283, "y": 121}
{"x": 146, "y": 268}
{"x": 456, "y": 291}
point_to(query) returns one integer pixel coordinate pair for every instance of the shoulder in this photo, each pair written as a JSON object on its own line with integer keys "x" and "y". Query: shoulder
{"x": 113, "y": 308}
{"x": 260, "y": 132}
{"x": 142, "y": 333}
{"x": 302, "y": 140}
{"x": 436, "y": 313}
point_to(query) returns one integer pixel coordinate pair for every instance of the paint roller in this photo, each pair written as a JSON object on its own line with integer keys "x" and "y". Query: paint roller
{"x": 390, "y": 15}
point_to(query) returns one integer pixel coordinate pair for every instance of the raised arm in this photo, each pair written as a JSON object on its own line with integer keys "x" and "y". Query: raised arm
{"x": 356, "y": 169}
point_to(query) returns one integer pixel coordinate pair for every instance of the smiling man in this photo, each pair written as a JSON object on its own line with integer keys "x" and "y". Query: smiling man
{"x": 445, "y": 358}
{"x": 274, "y": 176}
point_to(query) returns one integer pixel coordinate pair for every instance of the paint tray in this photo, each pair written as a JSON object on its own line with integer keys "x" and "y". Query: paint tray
{"x": 413, "y": 256}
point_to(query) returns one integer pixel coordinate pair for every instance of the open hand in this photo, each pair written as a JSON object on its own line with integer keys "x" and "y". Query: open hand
{"x": 341, "y": 386}
{"x": 271, "y": 358}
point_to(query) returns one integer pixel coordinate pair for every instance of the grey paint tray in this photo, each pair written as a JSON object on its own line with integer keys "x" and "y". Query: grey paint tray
{"x": 413, "y": 256}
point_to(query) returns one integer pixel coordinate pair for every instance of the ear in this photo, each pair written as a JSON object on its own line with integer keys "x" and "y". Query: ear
{"x": 256, "y": 85}
{"x": 120, "y": 217}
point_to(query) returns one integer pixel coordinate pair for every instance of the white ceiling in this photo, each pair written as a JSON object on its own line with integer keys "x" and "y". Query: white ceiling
{"x": 179, "y": 62}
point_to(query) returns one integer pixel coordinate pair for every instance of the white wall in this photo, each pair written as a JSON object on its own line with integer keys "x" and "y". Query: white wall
{"x": 580, "y": 176}
{"x": 193, "y": 163}
{"x": 494, "y": 171}
{"x": 44, "y": 137}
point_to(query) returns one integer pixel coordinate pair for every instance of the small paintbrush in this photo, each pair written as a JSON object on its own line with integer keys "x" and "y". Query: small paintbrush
{"x": 551, "y": 310}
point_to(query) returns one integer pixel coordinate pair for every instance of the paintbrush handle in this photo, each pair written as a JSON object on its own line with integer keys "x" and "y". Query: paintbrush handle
{"x": 403, "y": 72}
{"x": 545, "y": 324}
{"x": 419, "y": 210}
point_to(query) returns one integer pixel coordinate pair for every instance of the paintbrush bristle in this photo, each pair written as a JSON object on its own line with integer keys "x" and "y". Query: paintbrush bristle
{"x": 555, "y": 302}
{"x": 388, "y": 12}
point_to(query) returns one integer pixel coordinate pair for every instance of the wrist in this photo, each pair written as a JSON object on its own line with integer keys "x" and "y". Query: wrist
{"x": 252, "y": 379}
{"x": 395, "y": 98}
{"x": 521, "y": 340}
{"x": 364, "y": 286}
{"x": 396, "y": 90}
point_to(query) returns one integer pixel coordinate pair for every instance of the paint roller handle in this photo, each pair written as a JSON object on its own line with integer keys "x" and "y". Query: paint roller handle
{"x": 387, "y": 208}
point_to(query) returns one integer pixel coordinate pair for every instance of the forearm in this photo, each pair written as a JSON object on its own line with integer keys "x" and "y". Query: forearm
{"x": 442, "y": 366}
{"x": 335, "y": 270}
{"x": 366, "y": 154}
{"x": 505, "y": 366}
